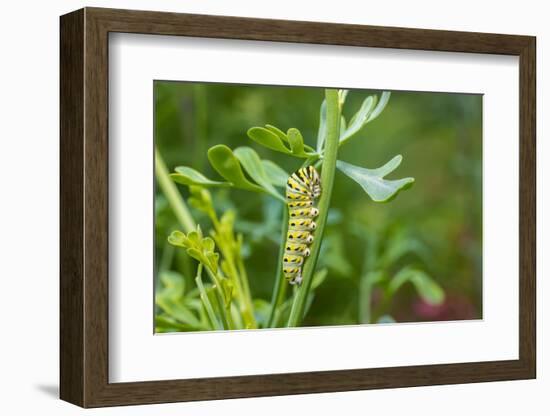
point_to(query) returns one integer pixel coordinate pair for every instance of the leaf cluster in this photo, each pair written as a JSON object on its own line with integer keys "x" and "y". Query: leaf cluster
{"x": 243, "y": 168}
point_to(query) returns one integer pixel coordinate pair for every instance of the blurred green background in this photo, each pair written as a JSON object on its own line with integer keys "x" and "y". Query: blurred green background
{"x": 434, "y": 227}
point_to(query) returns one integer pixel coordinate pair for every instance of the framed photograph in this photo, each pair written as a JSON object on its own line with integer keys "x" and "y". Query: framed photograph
{"x": 257, "y": 207}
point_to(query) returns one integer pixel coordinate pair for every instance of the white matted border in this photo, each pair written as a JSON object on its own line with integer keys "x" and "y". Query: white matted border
{"x": 136, "y": 354}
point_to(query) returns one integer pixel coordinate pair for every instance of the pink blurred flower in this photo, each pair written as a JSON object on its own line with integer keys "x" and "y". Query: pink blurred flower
{"x": 455, "y": 307}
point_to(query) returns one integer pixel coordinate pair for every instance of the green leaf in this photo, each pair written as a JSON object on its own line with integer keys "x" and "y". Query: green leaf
{"x": 268, "y": 138}
{"x": 297, "y": 146}
{"x": 342, "y": 94}
{"x": 373, "y": 182}
{"x": 275, "y": 174}
{"x": 199, "y": 248}
{"x": 189, "y": 176}
{"x": 196, "y": 254}
{"x": 227, "y": 165}
{"x": 275, "y": 139}
{"x": 281, "y": 134}
{"x": 253, "y": 165}
{"x": 425, "y": 286}
{"x": 296, "y": 141}
{"x": 170, "y": 298}
{"x": 384, "y": 98}
{"x": 343, "y": 126}
{"x": 177, "y": 238}
{"x": 360, "y": 118}
{"x": 177, "y": 311}
{"x": 370, "y": 109}
{"x": 195, "y": 236}
{"x": 208, "y": 244}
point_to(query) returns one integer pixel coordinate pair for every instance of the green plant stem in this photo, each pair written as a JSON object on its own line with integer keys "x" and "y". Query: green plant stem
{"x": 327, "y": 181}
{"x": 206, "y": 302}
{"x": 279, "y": 287}
{"x": 172, "y": 194}
{"x": 245, "y": 305}
{"x": 223, "y": 304}
{"x": 244, "y": 278}
{"x": 246, "y": 287}
{"x": 237, "y": 271}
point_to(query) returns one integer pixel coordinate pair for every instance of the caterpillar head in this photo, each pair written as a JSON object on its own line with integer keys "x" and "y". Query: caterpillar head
{"x": 312, "y": 226}
{"x": 314, "y": 212}
{"x": 307, "y": 252}
{"x": 309, "y": 239}
{"x": 315, "y": 181}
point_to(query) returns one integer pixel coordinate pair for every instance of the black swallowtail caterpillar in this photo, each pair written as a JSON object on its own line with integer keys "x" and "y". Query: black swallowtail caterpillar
{"x": 302, "y": 188}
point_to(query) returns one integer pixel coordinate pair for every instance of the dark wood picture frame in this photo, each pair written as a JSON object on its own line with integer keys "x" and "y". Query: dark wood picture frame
{"x": 84, "y": 207}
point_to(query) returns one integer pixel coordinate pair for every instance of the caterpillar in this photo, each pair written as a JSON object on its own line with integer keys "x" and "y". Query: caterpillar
{"x": 302, "y": 189}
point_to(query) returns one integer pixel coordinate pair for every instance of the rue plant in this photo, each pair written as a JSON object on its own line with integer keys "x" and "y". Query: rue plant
{"x": 224, "y": 301}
